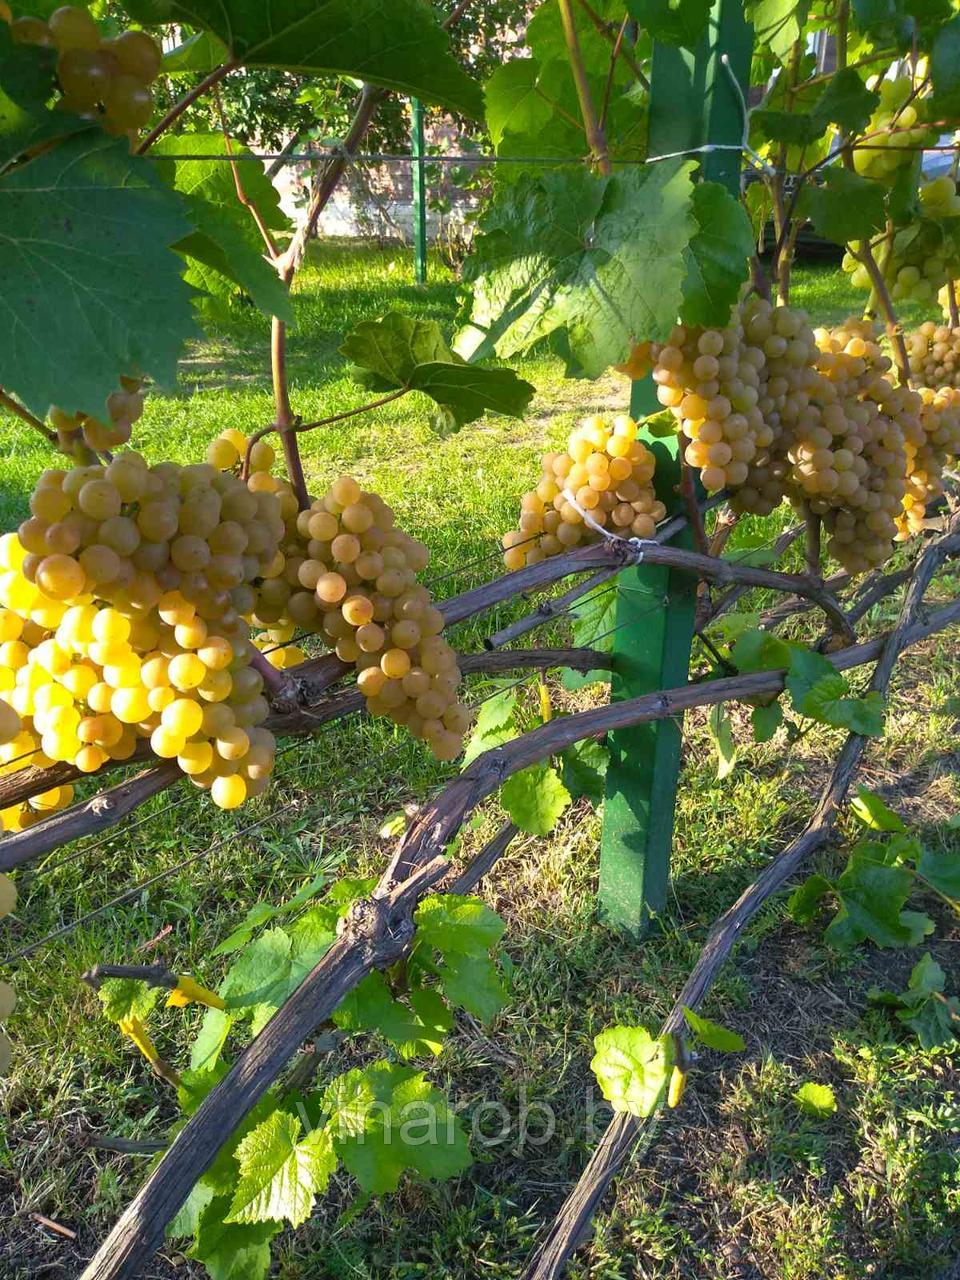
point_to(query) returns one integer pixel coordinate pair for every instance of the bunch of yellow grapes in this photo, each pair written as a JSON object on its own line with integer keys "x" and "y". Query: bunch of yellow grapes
{"x": 897, "y": 125}
{"x": 934, "y": 441}
{"x": 107, "y": 80}
{"x": 606, "y": 473}
{"x": 124, "y": 408}
{"x": 345, "y": 572}
{"x": 124, "y": 599}
{"x": 934, "y": 354}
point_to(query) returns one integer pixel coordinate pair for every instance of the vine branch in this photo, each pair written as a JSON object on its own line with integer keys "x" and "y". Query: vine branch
{"x": 178, "y": 108}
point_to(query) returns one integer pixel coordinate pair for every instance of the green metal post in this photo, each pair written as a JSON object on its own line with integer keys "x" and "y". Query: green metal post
{"x": 693, "y": 101}
{"x": 419, "y": 149}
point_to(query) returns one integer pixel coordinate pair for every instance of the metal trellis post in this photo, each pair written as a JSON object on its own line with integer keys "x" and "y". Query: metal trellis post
{"x": 693, "y": 101}
{"x": 419, "y": 149}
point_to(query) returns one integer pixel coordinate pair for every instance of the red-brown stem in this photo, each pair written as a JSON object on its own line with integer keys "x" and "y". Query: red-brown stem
{"x": 813, "y": 525}
{"x": 242, "y": 196}
{"x": 614, "y": 55}
{"x": 591, "y": 125}
{"x": 178, "y": 108}
{"x": 285, "y": 419}
{"x": 605, "y": 30}
{"x": 15, "y": 407}
{"x": 952, "y": 304}
{"x": 273, "y": 678}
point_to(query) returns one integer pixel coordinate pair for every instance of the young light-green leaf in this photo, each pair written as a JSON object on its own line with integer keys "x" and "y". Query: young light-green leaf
{"x": 872, "y": 812}
{"x": 722, "y": 733}
{"x": 632, "y": 1068}
{"x": 535, "y": 798}
{"x": 816, "y": 1099}
{"x": 462, "y": 925}
{"x": 127, "y": 998}
{"x": 712, "y": 1034}
{"x": 281, "y": 1174}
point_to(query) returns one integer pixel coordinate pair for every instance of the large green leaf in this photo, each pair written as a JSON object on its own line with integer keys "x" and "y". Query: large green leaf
{"x": 225, "y": 247}
{"x": 777, "y": 23}
{"x": 681, "y": 22}
{"x": 462, "y": 925}
{"x": 846, "y": 207}
{"x": 599, "y": 259}
{"x": 281, "y": 1174}
{"x": 232, "y": 1251}
{"x": 872, "y": 897}
{"x": 472, "y": 983}
{"x": 945, "y": 65}
{"x": 414, "y": 1031}
{"x": 717, "y": 257}
{"x": 632, "y": 1068}
{"x": 400, "y": 353}
{"x": 395, "y": 43}
{"x": 515, "y": 100}
{"x": 90, "y": 287}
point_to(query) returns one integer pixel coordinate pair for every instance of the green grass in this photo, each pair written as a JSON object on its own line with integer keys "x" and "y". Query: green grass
{"x": 739, "y": 1184}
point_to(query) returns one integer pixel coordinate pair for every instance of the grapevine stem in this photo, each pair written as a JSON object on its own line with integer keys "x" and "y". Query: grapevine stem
{"x": 689, "y": 494}
{"x": 26, "y": 416}
{"x": 894, "y": 329}
{"x": 813, "y": 525}
{"x": 607, "y": 34}
{"x": 614, "y": 55}
{"x": 591, "y": 125}
{"x": 178, "y": 108}
{"x": 273, "y": 679}
{"x": 952, "y": 304}
{"x": 242, "y": 196}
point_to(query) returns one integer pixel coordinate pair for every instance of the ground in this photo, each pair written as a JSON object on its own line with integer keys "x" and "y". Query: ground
{"x": 739, "y": 1184}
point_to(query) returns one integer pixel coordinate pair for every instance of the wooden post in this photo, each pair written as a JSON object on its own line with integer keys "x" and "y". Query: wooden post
{"x": 418, "y": 147}
{"x": 693, "y": 100}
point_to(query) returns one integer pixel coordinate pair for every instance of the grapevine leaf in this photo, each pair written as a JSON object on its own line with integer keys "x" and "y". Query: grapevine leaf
{"x": 472, "y": 983}
{"x": 872, "y": 812}
{"x": 845, "y": 207}
{"x": 758, "y": 650}
{"x": 225, "y": 247}
{"x": 386, "y": 1119}
{"x": 599, "y": 258}
{"x": 717, "y": 257}
{"x": 805, "y": 669}
{"x": 584, "y": 768}
{"x": 262, "y": 912}
{"x": 816, "y": 1099}
{"x": 310, "y": 939}
{"x": 196, "y": 1084}
{"x": 280, "y": 1177}
{"x": 731, "y": 626}
{"x": 398, "y": 44}
{"x": 535, "y": 798}
{"x": 926, "y": 977}
{"x": 26, "y": 84}
{"x": 945, "y": 65}
{"x": 371, "y": 1007}
{"x": 496, "y": 723}
{"x": 722, "y": 733}
{"x": 92, "y": 225}
{"x": 211, "y": 1038}
{"x": 258, "y": 970}
{"x": 632, "y": 1068}
{"x": 712, "y": 1034}
{"x": 127, "y": 998}
{"x": 514, "y": 101}
{"x": 200, "y": 52}
{"x": 681, "y": 22}
{"x": 392, "y": 347}
{"x": 594, "y": 622}
{"x": 766, "y": 721}
{"x": 777, "y": 23}
{"x": 805, "y": 900}
{"x": 846, "y": 101}
{"x": 462, "y": 925}
{"x": 828, "y": 703}
{"x": 922, "y": 1007}
{"x": 232, "y": 1251}
{"x": 797, "y": 129}
{"x": 186, "y": 1221}
{"x": 469, "y": 392}
{"x": 941, "y": 871}
{"x": 872, "y": 897}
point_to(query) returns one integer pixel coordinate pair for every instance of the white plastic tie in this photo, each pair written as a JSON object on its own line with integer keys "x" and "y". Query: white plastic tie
{"x": 588, "y": 520}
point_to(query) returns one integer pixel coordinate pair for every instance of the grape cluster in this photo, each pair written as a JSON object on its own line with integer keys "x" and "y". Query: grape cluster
{"x": 104, "y": 80}
{"x": 608, "y": 473}
{"x": 124, "y": 597}
{"x": 933, "y": 351}
{"x": 899, "y": 128}
{"x": 934, "y": 440}
{"x": 124, "y": 408}
{"x": 8, "y": 999}
{"x": 344, "y": 571}
{"x": 916, "y": 266}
